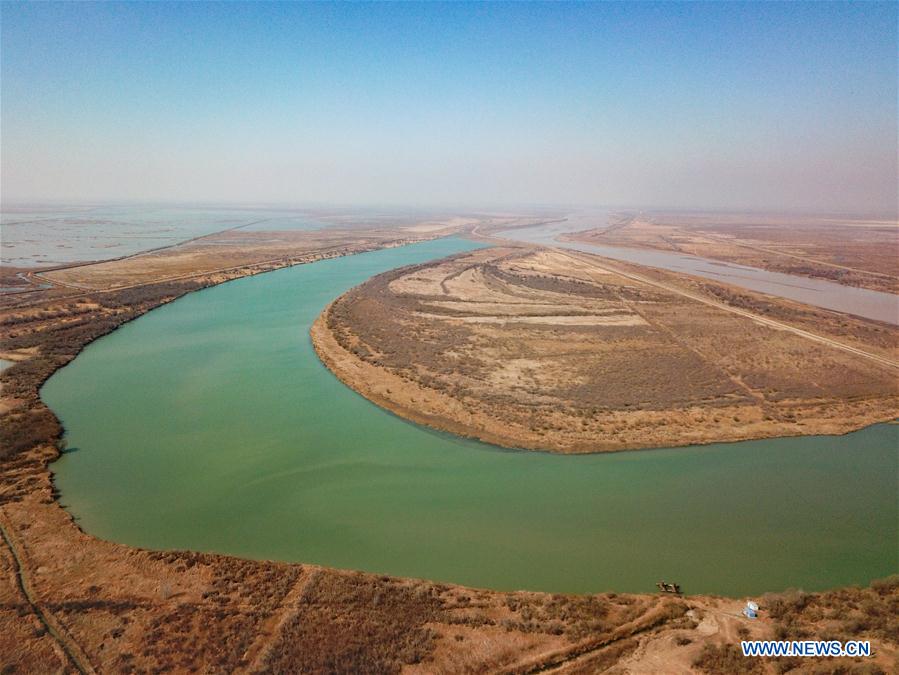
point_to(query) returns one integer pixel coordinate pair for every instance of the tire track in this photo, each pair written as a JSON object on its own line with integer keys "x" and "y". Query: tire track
{"x": 554, "y": 660}
{"x": 68, "y": 646}
{"x": 270, "y": 635}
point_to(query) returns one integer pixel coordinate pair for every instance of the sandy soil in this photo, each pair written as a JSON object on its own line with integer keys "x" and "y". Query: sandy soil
{"x": 551, "y": 350}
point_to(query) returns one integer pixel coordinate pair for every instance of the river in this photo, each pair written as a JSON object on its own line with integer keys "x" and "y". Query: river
{"x": 862, "y": 302}
{"x": 210, "y": 424}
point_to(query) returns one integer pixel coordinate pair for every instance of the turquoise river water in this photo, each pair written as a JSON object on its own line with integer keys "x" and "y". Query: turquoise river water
{"x": 210, "y": 424}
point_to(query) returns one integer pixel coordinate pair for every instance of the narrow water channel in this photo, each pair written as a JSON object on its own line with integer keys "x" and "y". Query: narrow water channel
{"x": 862, "y": 302}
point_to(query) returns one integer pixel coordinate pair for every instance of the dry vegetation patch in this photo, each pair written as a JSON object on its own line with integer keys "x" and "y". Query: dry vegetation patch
{"x": 552, "y": 350}
{"x": 851, "y": 251}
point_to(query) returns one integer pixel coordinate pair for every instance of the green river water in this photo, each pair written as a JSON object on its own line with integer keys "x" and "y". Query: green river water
{"x": 210, "y": 424}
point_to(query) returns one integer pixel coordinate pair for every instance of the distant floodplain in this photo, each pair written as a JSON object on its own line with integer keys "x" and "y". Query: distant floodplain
{"x": 42, "y": 236}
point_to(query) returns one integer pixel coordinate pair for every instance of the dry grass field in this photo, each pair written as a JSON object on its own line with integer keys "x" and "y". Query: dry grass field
{"x": 549, "y": 349}
{"x": 855, "y": 252}
{"x": 225, "y": 251}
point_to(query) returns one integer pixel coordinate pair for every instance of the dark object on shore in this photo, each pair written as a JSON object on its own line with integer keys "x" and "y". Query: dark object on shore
{"x": 665, "y": 587}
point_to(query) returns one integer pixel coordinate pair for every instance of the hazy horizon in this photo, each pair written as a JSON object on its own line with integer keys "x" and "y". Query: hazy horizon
{"x": 657, "y": 106}
{"x": 10, "y": 206}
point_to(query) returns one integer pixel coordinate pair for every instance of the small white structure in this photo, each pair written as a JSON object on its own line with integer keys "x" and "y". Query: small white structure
{"x": 751, "y": 610}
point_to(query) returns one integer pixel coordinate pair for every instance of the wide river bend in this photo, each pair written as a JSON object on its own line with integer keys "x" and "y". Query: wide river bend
{"x": 210, "y": 424}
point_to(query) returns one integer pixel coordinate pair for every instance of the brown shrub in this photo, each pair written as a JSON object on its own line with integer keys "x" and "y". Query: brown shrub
{"x": 726, "y": 660}
{"x": 24, "y": 431}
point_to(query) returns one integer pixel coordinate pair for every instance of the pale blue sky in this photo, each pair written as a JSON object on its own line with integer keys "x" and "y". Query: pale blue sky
{"x": 693, "y": 105}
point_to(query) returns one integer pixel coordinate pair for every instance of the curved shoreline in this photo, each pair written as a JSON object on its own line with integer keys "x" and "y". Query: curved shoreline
{"x": 410, "y": 399}
{"x": 332, "y": 355}
{"x": 349, "y": 370}
{"x": 250, "y": 613}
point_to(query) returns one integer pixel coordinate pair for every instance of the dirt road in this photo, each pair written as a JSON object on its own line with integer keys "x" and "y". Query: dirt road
{"x": 611, "y": 267}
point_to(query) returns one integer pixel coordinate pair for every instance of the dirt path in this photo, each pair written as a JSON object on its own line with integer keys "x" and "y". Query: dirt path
{"x": 270, "y": 632}
{"x": 737, "y": 381}
{"x": 76, "y": 657}
{"x": 734, "y": 310}
{"x": 558, "y": 659}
